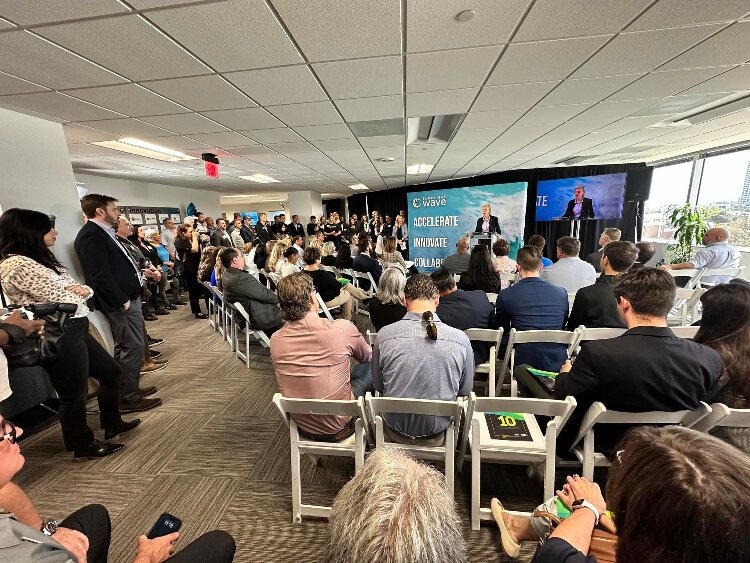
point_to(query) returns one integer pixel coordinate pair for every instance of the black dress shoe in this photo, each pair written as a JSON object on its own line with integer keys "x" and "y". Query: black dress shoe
{"x": 123, "y": 427}
{"x": 150, "y": 317}
{"x": 154, "y": 354}
{"x": 97, "y": 449}
{"x": 155, "y": 341}
{"x": 171, "y": 307}
{"x": 139, "y": 405}
{"x": 201, "y": 316}
{"x": 146, "y": 391}
{"x": 162, "y": 312}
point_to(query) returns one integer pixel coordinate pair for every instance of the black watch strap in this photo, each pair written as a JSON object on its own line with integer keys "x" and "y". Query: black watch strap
{"x": 16, "y": 334}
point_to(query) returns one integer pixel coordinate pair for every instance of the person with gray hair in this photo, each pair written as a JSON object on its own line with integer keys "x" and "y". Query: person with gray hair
{"x": 610, "y": 234}
{"x": 394, "y": 510}
{"x": 420, "y": 357}
{"x": 569, "y": 271}
{"x": 388, "y": 304}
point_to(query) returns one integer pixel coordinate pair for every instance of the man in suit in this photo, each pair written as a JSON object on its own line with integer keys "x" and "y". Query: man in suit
{"x": 533, "y": 304}
{"x": 116, "y": 281}
{"x": 295, "y": 228}
{"x": 487, "y": 223}
{"x": 246, "y": 231}
{"x": 646, "y": 369}
{"x": 239, "y": 286}
{"x": 595, "y": 306}
{"x": 221, "y": 236}
{"x": 364, "y": 263}
{"x": 610, "y": 234}
{"x": 646, "y": 251}
{"x": 579, "y": 207}
{"x": 263, "y": 229}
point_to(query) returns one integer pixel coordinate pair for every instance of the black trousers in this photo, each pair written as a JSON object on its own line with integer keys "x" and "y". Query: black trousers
{"x": 196, "y": 291}
{"x": 530, "y": 384}
{"x": 82, "y": 357}
{"x": 93, "y": 521}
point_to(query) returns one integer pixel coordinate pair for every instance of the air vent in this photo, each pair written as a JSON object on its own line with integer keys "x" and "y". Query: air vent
{"x": 377, "y": 128}
{"x": 571, "y": 160}
{"x": 430, "y": 129}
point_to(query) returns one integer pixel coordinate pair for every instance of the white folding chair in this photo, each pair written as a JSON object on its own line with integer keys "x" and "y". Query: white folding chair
{"x": 540, "y": 450}
{"x": 244, "y": 353}
{"x": 274, "y": 277}
{"x": 357, "y": 278}
{"x": 722, "y": 416}
{"x": 323, "y": 308}
{"x": 598, "y": 414}
{"x": 378, "y": 406}
{"x": 492, "y": 298}
{"x": 532, "y": 337}
{"x": 722, "y": 272}
{"x": 220, "y": 310}
{"x": 512, "y": 278}
{"x": 694, "y": 274}
{"x": 330, "y": 269}
{"x": 372, "y": 337}
{"x": 211, "y": 306}
{"x": 686, "y": 302}
{"x": 353, "y": 446}
{"x": 488, "y": 367}
{"x": 687, "y": 332}
{"x": 584, "y": 334}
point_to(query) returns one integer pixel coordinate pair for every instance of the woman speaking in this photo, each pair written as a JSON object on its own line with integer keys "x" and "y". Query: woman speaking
{"x": 487, "y": 223}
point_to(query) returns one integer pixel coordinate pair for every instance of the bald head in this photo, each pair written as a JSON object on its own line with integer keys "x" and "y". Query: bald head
{"x": 463, "y": 244}
{"x": 717, "y": 234}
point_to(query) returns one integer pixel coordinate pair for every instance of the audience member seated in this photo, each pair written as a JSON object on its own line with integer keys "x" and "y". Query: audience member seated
{"x": 540, "y": 242}
{"x": 648, "y": 368}
{"x": 344, "y": 260}
{"x": 207, "y": 264}
{"x": 85, "y": 534}
{"x": 311, "y": 356}
{"x": 248, "y": 253}
{"x": 717, "y": 253}
{"x": 328, "y": 254}
{"x": 569, "y": 272}
{"x": 669, "y": 493}
{"x": 239, "y": 286}
{"x": 276, "y": 257}
{"x": 502, "y": 263}
{"x": 610, "y": 234}
{"x": 420, "y": 357}
{"x": 725, "y": 327}
{"x": 328, "y": 287}
{"x": 595, "y": 306}
{"x": 480, "y": 275}
{"x": 458, "y": 262}
{"x": 392, "y": 258}
{"x": 646, "y": 251}
{"x": 387, "y": 306}
{"x": 365, "y": 263}
{"x": 464, "y": 309}
{"x": 394, "y": 510}
{"x": 533, "y": 304}
{"x": 291, "y": 259}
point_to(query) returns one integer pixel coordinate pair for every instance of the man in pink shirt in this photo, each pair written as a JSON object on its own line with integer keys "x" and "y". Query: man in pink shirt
{"x": 312, "y": 356}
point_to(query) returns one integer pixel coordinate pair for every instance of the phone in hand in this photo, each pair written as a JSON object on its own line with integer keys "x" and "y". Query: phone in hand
{"x": 165, "y": 524}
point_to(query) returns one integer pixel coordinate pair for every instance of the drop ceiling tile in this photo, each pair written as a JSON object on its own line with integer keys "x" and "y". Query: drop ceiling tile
{"x": 730, "y": 46}
{"x": 293, "y": 149}
{"x": 133, "y": 48}
{"x": 34, "y": 59}
{"x": 543, "y": 61}
{"x": 440, "y": 103}
{"x": 257, "y": 39}
{"x": 324, "y": 132}
{"x": 583, "y": 90}
{"x": 674, "y": 13}
{"x": 128, "y": 99}
{"x": 12, "y": 85}
{"x": 552, "y": 114}
{"x": 488, "y": 119}
{"x": 361, "y": 78}
{"x": 468, "y": 67}
{"x": 79, "y": 134}
{"x": 202, "y": 93}
{"x": 665, "y": 83}
{"x": 512, "y": 96}
{"x": 273, "y": 136}
{"x": 363, "y": 109}
{"x": 58, "y": 106}
{"x": 185, "y": 123}
{"x": 184, "y": 144}
{"x": 734, "y": 80}
{"x": 553, "y": 19}
{"x": 6, "y": 24}
{"x": 643, "y": 51}
{"x": 128, "y": 128}
{"x": 614, "y": 110}
{"x": 276, "y": 86}
{"x": 432, "y": 26}
{"x": 348, "y": 30}
{"x": 84, "y": 149}
{"x": 31, "y": 12}
{"x": 382, "y": 141}
{"x": 227, "y": 139}
{"x": 315, "y": 113}
{"x": 244, "y": 119}
{"x": 476, "y": 134}
{"x": 144, "y": 4}
{"x": 337, "y": 144}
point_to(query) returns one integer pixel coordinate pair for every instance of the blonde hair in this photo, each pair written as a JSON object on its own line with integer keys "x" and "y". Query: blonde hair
{"x": 247, "y": 247}
{"x": 219, "y": 265}
{"x": 208, "y": 259}
{"x": 315, "y": 243}
{"x": 277, "y": 253}
{"x": 329, "y": 249}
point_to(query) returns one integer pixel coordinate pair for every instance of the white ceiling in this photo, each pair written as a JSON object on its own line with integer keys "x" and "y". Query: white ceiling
{"x": 274, "y": 86}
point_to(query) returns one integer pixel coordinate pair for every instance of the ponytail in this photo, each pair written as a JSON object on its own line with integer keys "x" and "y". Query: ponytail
{"x": 431, "y": 327}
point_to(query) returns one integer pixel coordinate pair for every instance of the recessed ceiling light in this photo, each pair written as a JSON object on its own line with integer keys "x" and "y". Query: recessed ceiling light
{"x": 387, "y": 159}
{"x": 144, "y": 148}
{"x": 260, "y": 178}
{"x": 359, "y": 187}
{"x": 465, "y": 16}
{"x": 419, "y": 169}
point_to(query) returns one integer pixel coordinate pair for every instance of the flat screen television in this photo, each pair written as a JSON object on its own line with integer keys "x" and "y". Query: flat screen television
{"x": 252, "y": 214}
{"x": 584, "y": 198}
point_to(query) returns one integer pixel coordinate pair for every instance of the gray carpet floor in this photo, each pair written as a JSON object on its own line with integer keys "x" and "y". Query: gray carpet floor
{"x": 216, "y": 454}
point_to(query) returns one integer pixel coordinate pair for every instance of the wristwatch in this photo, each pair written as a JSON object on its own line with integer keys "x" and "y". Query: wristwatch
{"x": 582, "y": 503}
{"x": 49, "y": 527}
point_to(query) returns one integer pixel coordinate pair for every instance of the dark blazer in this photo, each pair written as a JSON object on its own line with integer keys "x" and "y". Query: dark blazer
{"x": 468, "y": 309}
{"x": 534, "y": 304}
{"x": 218, "y": 240}
{"x": 387, "y": 230}
{"x": 494, "y": 225}
{"x": 312, "y": 228}
{"x": 247, "y": 233}
{"x": 595, "y": 306}
{"x": 295, "y": 230}
{"x": 595, "y": 259}
{"x": 587, "y": 209}
{"x": 363, "y": 263}
{"x": 279, "y": 230}
{"x": 259, "y": 301}
{"x": 645, "y": 369}
{"x": 263, "y": 232}
{"x": 106, "y": 269}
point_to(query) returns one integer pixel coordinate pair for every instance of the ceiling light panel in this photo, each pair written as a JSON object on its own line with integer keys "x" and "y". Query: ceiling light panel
{"x": 260, "y": 179}
{"x": 144, "y": 148}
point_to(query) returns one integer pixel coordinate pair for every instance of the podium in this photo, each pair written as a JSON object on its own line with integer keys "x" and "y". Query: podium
{"x": 482, "y": 238}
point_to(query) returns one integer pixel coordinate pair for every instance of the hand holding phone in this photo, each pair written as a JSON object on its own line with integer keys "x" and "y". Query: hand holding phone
{"x": 165, "y": 524}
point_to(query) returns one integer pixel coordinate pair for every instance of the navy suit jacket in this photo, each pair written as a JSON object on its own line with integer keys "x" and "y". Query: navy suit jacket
{"x": 468, "y": 309}
{"x": 534, "y": 304}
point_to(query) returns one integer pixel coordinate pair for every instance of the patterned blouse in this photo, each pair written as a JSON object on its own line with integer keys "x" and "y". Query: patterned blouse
{"x": 504, "y": 265}
{"x": 26, "y": 281}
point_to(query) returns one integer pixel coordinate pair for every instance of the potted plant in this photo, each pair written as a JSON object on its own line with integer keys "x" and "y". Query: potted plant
{"x": 690, "y": 226}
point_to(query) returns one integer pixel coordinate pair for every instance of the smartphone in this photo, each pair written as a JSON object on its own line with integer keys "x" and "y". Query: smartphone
{"x": 166, "y": 524}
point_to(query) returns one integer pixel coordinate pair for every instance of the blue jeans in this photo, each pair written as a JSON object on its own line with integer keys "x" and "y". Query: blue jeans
{"x": 361, "y": 379}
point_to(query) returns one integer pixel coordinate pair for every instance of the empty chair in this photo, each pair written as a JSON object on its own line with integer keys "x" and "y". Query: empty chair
{"x": 694, "y": 274}
{"x": 243, "y": 352}
{"x": 685, "y": 305}
{"x": 489, "y": 367}
{"x": 688, "y": 332}
{"x": 372, "y": 337}
{"x": 492, "y": 298}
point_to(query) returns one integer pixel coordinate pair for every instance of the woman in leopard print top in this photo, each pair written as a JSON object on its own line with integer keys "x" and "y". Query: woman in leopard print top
{"x": 30, "y": 273}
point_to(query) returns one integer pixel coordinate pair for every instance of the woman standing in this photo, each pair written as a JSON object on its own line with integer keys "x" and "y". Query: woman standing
{"x": 187, "y": 248}
{"x": 30, "y": 273}
{"x": 401, "y": 232}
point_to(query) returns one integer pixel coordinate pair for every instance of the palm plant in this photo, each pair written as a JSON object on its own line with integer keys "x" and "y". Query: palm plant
{"x": 690, "y": 226}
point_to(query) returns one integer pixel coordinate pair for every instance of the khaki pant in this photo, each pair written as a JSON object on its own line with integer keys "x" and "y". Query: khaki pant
{"x": 345, "y": 301}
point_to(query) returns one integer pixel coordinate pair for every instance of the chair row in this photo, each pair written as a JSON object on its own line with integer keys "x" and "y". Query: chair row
{"x": 697, "y": 275}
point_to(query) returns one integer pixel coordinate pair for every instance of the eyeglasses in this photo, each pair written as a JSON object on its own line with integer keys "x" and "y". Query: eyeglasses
{"x": 8, "y": 431}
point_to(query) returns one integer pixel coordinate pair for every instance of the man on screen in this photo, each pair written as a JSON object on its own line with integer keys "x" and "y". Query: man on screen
{"x": 487, "y": 223}
{"x": 579, "y": 207}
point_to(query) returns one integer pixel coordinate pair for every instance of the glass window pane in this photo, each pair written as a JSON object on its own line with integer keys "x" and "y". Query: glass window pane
{"x": 669, "y": 189}
{"x": 725, "y": 194}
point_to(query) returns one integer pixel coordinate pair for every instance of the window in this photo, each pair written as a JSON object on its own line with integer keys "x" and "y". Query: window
{"x": 669, "y": 189}
{"x": 724, "y": 194}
